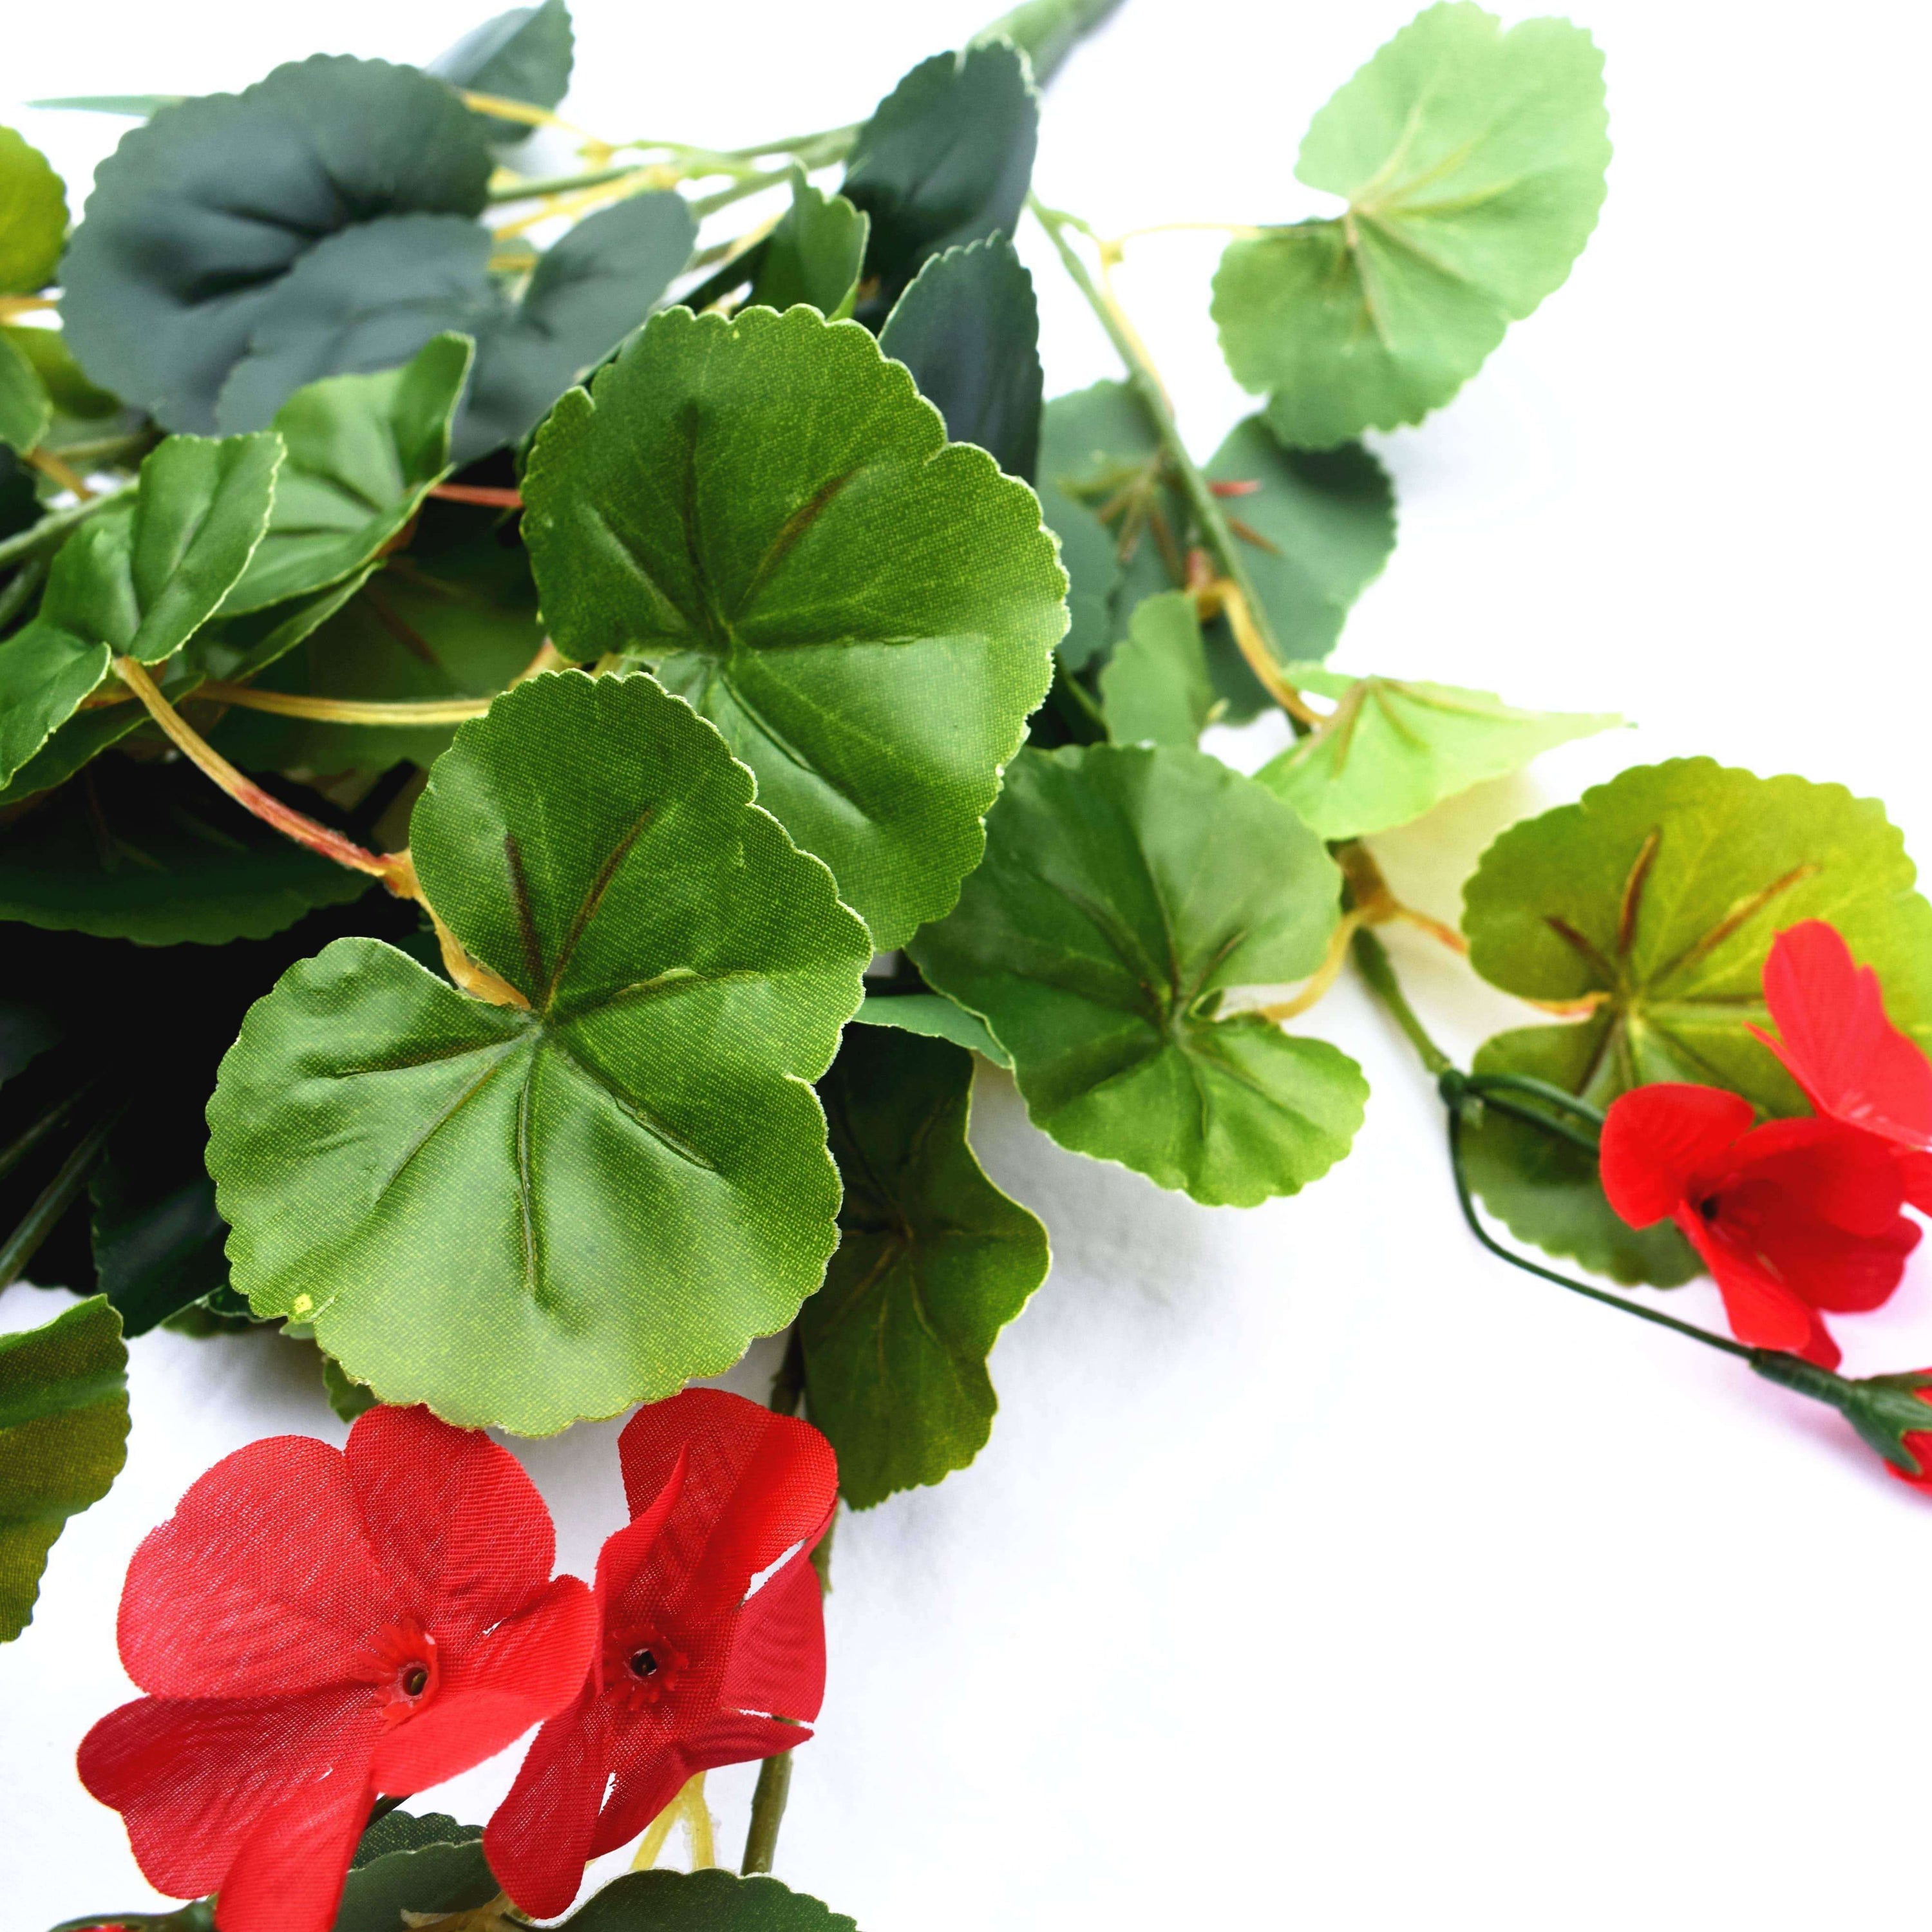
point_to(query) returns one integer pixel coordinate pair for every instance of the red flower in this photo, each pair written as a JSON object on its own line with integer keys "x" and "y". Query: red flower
{"x": 703, "y": 1654}
{"x": 1789, "y": 1219}
{"x": 316, "y": 1627}
{"x": 1854, "y": 1065}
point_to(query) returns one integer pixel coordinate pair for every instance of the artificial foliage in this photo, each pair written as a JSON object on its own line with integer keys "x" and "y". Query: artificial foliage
{"x": 559, "y": 723}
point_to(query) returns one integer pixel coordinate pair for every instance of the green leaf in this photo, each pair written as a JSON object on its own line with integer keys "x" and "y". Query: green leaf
{"x": 814, "y": 255}
{"x": 429, "y": 1865}
{"x": 348, "y": 1399}
{"x": 26, "y": 409}
{"x": 935, "y": 1017}
{"x": 153, "y": 853}
{"x": 196, "y": 218}
{"x": 1155, "y": 689}
{"x": 363, "y": 453}
{"x": 1125, "y": 891}
{"x": 1047, "y": 31}
{"x": 523, "y": 54}
{"x": 1093, "y": 568}
{"x": 63, "y": 1439}
{"x": 526, "y": 1216}
{"x": 765, "y": 511}
{"x": 137, "y": 582}
{"x": 139, "y": 107}
{"x": 945, "y": 160}
{"x": 1472, "y": 161}
{"x": 33, "y": 218}
{"x": 968, "y": 328}
{"x": 1390, "y": 750}
{"x": 933, "y": 1262}
{"x": 66, "y": 383}
{"x": 1315, "y": 532}
{"x": 703, "y": 1901}
{"x": 158, "y": 1238}
{"x": 1657, "y": 897}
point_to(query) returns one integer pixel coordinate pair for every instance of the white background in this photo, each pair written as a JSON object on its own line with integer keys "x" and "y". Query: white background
{"x": 1321, "y": 1572}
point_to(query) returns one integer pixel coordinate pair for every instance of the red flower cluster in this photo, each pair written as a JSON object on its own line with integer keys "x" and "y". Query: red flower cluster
{"x": 1795, "y": 1218}
{"x": 315, "y": 1627}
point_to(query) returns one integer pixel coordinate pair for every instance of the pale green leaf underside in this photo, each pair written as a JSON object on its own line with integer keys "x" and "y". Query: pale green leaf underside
{"x": 1392, "y": 749}
{"x": 766, "y": 510}
{"x": 526, "y": 1217}
{"x": 1125, "y": 891}
{"x": 1155, "y": 689}
{"x": 935, "y": 1017}
{"x": 1472, "y": 161}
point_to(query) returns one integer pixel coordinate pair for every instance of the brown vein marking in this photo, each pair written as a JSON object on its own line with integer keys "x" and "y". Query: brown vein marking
{"x": 520, "y": 897}
{"x": 411, "y": 639}
{"x": 1572, "y": 938}
{"x": 794, "y": 526}
{"x": 1740, "y": 914}
{"x": 1248, "y": 534}
{"x": 587, "y": 911}
{"x": 1633, "y": 900}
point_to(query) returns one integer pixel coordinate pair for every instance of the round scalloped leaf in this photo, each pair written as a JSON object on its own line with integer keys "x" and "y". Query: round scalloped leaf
{"x": 33, "y": 217}
{"x": 1657, "y": 897}
{"x": 1125, "y": 891}
{"x": 766, "y": 510}
{"x": 196, "y": 218}
{"x": 933, "y": 1262}
{"x": 1472, "y": 161}
{"x": 814, "y": 256}
{"x": 703, "y": 1901}
{"x": 429, "y": 1865}
{"x": 525, "y": 54}
{"x": 525, "y": 1215}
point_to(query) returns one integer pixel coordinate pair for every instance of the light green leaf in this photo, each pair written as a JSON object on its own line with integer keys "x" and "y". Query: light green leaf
{"x": 169, "y": 274}
{"x": 933, "y": 1262}
{"x": 1472, "y": 161}
{"x": 1658, "y": 898}
{"x": 523, "y": 54}
{"x": 935, "y": 1017}
{"x": 703, "y": 1901}
{"x": 66, "y": 383}
{"x": 1390, "y": 750}
{"x": 63, "y": 1439}
{"x": 429, "y": 1865}
{"x": 814, "y": 255}
{"x": 33, "y": 218}
{"x": 363, "y": 452}
{"x": 525, "y": 1216}
{"x": 968, "y": 328}
{"x": 1046, "y": 31}
{"x": 945, "y": 160}
{"x": 1155, "y": 689}
{"x": 1125, "y": 891}
{"x": 25, "y": 408}
{"x": 153, "y": 853}
{"x": 136, "y": 582}
{"x": 765, "y": 511}
{"x": 1093, "y": 568}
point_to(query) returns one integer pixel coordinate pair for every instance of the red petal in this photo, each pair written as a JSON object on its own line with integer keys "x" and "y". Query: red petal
{"x": 538, "y": 1840}
{"x": 193, "y": 1778}
{"x": 525, "y": 1670}
{"x": 1839, "y": 1175}
{"x": 1917, "y": 1444}
{"x": 643, "y": 1790}
{"x": 289, "y": 1876}
{"x": 262, "y": 1581}
{"x": 1853, "y": 1063}
{"x": 626, "y": 1551}
{"x": 1914, "y": 1176}
{"x": 778, "y": 1650}
{"x": 453, "y": 1518}
{"x": 756, "y": 1484}
{"x": 1660, "y": 1144}
{"x": 1763, "y": 1312}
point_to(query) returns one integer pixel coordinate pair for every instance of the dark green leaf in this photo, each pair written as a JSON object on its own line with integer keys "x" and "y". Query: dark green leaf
{"x": 525, "y": 1216}
{"x": 153, "y": 853}
{"x": 1391, "y": 750}
{"x": 157, "y": 1238}
{"x": 1472, "y": 161}
{"x": 197, "y": 216}
{"x": 945, "y": 160}
{"x": 63, "y": 1439}
{"x": 968, "y": 328}
{"x": 348, "y": 1399}
{"x": 33, "y": 218}
{"x": 137, "y": 581}
{"x": 764, "y": 511}
{"x": 814, "y": 255}
{"x": 407, "y": 1832}
{"x": 1656, "y": 897}
{"x": 703, "y": 1901}
{"x": 1125, "y": 891}
{"x": 428, "y": 1866}
{"x": 935, "y": 1017}
{"x": 1093, "y": 567}
{"x": 522, "y": 55}
{"x": 933, "y": 1262}
{"x": 1156, "y": 687}
{"x": 26, "y": 409}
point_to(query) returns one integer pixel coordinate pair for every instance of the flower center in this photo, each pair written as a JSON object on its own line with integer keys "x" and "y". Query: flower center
{"x": 400, "y": 1663}
{"x": 1709, "y": 1207}
{"x": 643, "y": 1663}
{"x": 642, "y": 1667}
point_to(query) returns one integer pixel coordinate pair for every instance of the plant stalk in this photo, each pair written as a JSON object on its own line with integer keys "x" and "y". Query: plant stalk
{"x": 55, "y": 1199}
